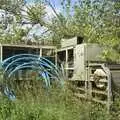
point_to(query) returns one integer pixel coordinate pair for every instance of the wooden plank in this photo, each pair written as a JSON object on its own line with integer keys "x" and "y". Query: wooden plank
{"x": 95, "y": 65}
{"x": 82, "y": 89}
{"x": 99, "y": 101}
{"x": 109, "y": 94}
{"x": 1, "y": 53}
{"x": 64, "y": 49}
{"x": 69, "y": 68}
{"x": 40, "y": 52}
{"x": 93, "y": 99}
{"x": 66, "y": 62}
{"x": 99, "y": 92}
{"x": 77, "y": 80}
{"x": 29, "y": 46}
{"x": 80, "y": 95}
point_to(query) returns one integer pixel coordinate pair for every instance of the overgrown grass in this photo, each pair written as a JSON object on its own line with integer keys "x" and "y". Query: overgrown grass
{"x": 54, "y": 104}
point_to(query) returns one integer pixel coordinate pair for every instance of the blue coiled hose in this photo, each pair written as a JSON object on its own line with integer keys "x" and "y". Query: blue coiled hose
{"x": 47, "y": 69}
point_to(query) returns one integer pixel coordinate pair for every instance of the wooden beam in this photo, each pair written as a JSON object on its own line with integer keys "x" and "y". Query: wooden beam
{"x": 40, "y": 52}
{"x": 29, "y": 46}
{"x": 1, "y": 53}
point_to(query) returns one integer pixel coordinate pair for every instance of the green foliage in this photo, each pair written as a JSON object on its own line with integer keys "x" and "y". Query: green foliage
{"x": 12, "y": 6}
{"x": 36, "y": 13}
{"x": 14, "y": 37}
{"x": 96, "y": 21}
{"x": 9, "y": 30}
{"x": 55, "y": 104}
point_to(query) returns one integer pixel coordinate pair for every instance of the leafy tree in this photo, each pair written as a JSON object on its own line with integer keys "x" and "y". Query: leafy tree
{"x": 95, "y": 20}
{"x": 11, "y": 26}
{"x": 12, "y": 6}
{"x": 36, "y": 13}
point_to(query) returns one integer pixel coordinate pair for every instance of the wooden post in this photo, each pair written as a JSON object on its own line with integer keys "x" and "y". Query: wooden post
{"x": 109, "y": 90}
{"x": 86, "y": 81}
{"x": 66, "y": 63}
{"x": 40, "y": 52}
{"x": 89, "y": 83}
{"x": 1, "y": 53}
{"x": 56, "y": 59}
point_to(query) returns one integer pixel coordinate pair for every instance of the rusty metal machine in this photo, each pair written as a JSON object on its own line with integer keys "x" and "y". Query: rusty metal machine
{"x": 94, "y": 79}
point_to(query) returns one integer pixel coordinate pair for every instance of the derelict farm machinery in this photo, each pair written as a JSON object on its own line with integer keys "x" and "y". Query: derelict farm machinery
{"x": 93, "y": 78}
